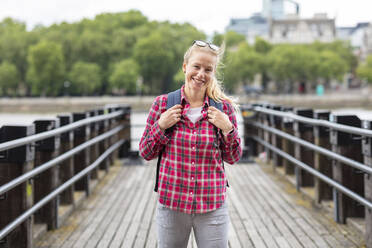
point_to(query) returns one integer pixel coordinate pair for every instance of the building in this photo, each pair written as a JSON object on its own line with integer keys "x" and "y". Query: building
{"x": 366, "y": 48}
{"x": 251, "y": 27}
{"x": 273, "y": 9}
{"x": 295, "y": 30}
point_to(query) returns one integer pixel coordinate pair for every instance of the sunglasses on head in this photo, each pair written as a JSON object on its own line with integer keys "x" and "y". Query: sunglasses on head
{"x": 202, "y": 43}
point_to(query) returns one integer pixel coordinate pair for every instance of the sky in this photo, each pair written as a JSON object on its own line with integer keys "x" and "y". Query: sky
{"x": 206, "y": 15}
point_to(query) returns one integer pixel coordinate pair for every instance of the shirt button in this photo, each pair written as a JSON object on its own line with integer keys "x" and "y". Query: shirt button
{"x": 193, "y": 147}
{"x": 192, "y": 162}
{"x": 191, "y": 193}
{"x": 194, "y": 132}
{"x": 192, "y": 178}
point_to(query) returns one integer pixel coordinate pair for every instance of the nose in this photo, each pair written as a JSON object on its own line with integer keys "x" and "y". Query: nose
{"x": 201, "y": 74}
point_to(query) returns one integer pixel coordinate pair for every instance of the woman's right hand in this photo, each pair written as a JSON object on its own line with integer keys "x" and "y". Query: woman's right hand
{"x": 170, "y": 117}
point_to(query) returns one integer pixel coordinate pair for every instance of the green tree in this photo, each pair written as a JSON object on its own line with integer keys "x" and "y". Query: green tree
{"x": 46, "y": 68}
{"x": 155, "y": 59}
{"x": 9, "y": 78}
{"x": 242, "y": 65}
{"x": 331, "y": 65}
{"x": 14, "y": 43}
{"x": 125, "y": 76}
{"x": 85, "y": 78}
{"x": 364, "y": 70}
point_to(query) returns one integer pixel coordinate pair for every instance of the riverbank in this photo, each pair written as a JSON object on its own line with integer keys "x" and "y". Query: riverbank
{"x": 341, "y": 99}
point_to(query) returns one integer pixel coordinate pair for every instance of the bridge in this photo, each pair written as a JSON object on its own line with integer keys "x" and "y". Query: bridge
{"x": 74, "y": 181}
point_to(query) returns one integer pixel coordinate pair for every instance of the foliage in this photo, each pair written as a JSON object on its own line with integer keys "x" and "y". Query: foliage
{"x": 9, "y": 78}
{"x": 365, "y": 70}
{"x": 46, "y": 68}
{"x": 125, "y": 76}
{"x": 85, "y": 78}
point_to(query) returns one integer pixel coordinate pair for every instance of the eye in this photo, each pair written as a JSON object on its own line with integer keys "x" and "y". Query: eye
{"x": 196, "y": 66}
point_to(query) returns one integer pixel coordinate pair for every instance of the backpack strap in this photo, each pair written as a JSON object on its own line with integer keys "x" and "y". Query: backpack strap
{"x": 173, "y": 98}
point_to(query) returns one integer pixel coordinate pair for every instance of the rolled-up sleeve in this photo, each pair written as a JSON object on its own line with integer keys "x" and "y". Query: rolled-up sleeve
{"x": 153, "y": 138}
{"x": 231, "y": 147}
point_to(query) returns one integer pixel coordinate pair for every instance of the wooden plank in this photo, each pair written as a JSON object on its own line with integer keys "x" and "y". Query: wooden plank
{"x": 106, "y": 216}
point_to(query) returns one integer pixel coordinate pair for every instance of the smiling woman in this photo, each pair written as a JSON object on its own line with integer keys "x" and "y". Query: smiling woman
{"x": 193, "y": 137}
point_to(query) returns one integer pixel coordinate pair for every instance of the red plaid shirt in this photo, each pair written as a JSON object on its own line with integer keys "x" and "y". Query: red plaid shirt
{"x": 191, "y": 178}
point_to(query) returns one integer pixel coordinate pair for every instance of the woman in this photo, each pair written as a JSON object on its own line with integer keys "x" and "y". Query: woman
{"x": 192, "y": 180}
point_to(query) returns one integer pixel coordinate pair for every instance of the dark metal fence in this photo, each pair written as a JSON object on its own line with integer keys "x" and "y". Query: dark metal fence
{"x": 48, "y": 168}
{"x": 330, "y": 153}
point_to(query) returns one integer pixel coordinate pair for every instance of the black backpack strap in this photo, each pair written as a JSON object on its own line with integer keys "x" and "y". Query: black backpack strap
{"x": 173, "y": 98}
{"x": 219, "y": 106}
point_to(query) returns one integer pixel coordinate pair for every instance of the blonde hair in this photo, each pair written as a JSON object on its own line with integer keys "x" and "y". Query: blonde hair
{"x": 214, "y": 88}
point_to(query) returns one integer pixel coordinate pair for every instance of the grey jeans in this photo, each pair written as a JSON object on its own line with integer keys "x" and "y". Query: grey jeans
{"x": 174, "y": 227}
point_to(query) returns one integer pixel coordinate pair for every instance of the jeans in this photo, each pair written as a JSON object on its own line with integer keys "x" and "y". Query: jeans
{"x": 174, "y": 227}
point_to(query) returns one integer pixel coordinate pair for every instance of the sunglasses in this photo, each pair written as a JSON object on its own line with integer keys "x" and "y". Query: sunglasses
{"x": 202, "y": 43}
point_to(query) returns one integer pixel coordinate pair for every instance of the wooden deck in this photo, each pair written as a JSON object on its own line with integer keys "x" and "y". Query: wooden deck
{"x": 121, "y": 212}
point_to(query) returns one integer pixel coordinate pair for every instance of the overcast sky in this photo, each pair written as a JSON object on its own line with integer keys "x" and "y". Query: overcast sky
{"x": 207, "y": 15}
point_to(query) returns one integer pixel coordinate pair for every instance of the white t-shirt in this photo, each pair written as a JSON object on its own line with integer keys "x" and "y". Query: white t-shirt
{"x": 194, "y": 114}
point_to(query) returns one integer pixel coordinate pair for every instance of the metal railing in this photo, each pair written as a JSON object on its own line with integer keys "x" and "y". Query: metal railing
{"x": 333, "y": 160}
{"x": 115, "y": 136}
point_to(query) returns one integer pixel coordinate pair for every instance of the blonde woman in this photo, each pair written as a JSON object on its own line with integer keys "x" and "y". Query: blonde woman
{"x": 193, "y": 139}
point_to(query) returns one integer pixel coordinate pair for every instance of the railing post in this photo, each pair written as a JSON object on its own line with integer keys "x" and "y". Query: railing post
{"x": 321, "y": 162}
{"x": 112, "y": 124}
{"x": 94, "y": 149}
{"x": 67, "y": 166}
{"x": 82, "y": 159}
{"x": 305, "y": 132}
{"x": 104, "y": 144}
{"x": 367, "y": 152}
{"x": 275, "y": 139}
{"x": 48, "y": 180}
{"x": 261, "y": 134}
{"x": 345, "y": 144}
{"x": 14, "y": 163}
{"x": 266, "y": 135}
{"x": 250, "y": 144}
{"x": 288, "y": 147}
{"x": 124, "y": 134}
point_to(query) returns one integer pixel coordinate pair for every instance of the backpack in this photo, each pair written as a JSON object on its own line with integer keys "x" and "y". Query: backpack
{"x": 174, "y": 98}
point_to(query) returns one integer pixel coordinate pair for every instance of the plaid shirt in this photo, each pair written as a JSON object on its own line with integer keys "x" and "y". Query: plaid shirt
{"x": 191, "y": 177}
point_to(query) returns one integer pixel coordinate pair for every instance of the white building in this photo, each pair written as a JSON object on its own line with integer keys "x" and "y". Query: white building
{"x": 297, "y": 31}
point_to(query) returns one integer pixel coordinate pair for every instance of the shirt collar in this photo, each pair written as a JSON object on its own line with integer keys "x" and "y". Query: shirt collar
{"x": 184, "y": 100}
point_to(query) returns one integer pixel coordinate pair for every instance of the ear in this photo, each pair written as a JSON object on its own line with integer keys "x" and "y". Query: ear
{"x": 184, "y": 67}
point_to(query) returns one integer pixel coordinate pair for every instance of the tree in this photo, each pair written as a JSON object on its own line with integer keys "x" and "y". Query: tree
{"x": 364, "y": 70}
{"x": 46, "y": 68}
{"x": 125, "y": 76}
{"x": 242, "y": 65}
{"x": 9, "y": 78}
{"x": 331, "y": 66}
{"x": 85, "y": 78}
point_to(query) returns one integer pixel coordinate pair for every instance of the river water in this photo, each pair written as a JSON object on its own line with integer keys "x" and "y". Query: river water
{"x": 138, "y": 120}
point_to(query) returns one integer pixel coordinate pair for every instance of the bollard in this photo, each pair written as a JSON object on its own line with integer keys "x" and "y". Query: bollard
{"x": 287, "y": 146}
{"x": 67, "y": 166}
{"x": 94, "y": 149}
{"x": 347, "y": 145}
{"x": 367, "y": 152}
{"x": 276, "y": 141}
{"x": 321, "y": 162}
{"x": 14, "y": 163}
{"x": 48, "y": 180}
{"x": 104, "y": 144}
{"x": 81, "y": 160}
{"x": 305, "y": 132}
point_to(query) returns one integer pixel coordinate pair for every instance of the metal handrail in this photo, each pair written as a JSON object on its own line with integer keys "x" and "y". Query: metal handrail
{"x": 10, "y": 227}
{"x": 317, "y": 122}
{"x": 36, "y": 137}
{"x": 313, "y": 147}
{"x": 319, "y": 175}
{"x": 30, "y": 174}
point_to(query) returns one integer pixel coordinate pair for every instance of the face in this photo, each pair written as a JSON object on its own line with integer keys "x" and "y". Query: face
{"x": 199, "y": 70}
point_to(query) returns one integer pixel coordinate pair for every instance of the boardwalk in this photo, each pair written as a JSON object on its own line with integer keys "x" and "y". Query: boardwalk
{"x": 121, "y": 214}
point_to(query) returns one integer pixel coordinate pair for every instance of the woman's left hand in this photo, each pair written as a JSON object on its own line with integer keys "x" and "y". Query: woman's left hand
{"x": 219, "y": 119}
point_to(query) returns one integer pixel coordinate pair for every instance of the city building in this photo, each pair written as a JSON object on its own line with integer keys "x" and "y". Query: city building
{"x": 366, "y": 48}
{"x": 295, "y": 30}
